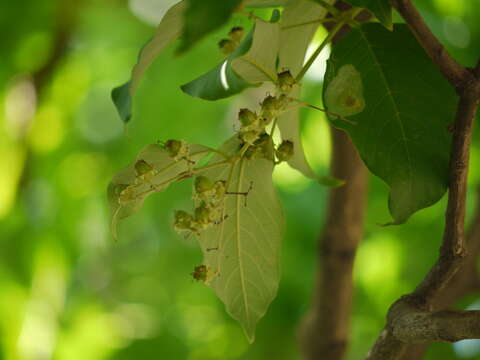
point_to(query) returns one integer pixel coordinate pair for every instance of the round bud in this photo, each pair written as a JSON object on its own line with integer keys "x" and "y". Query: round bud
{"x": 285, "y": 81}
{"x": 200, "y": 273}
{"x": 202, "y": 184}
{"x": 142, "y": 167}
{"x": 246, "y": 117}
{"x": 173, "y": 147}
{"x": 236, "y": 33}
{"x": 285, "y": 150}
{"x": 227, "y": 46}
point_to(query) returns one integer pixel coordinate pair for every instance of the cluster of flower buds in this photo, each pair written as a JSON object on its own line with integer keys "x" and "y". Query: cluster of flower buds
{"x": 208, "y": 195}
{"x": 230, "y": 44}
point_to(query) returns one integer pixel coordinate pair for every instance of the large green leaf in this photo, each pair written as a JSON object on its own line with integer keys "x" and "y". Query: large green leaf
{"x": 246, "y": 245}
{"x": 259, "y": 64}
{"x": 167, "y": 31}
{"x": 294, "y": 43}
{"x": 402, "y": 132}
{"x": 248, "y": 59}
{"x": 204, "y": 16}
{"x": 128, "y": 189}
{"x": 382, "y": 9}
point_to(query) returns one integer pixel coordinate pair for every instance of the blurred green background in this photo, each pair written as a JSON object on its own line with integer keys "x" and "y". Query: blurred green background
{"x": 68, "y": 292}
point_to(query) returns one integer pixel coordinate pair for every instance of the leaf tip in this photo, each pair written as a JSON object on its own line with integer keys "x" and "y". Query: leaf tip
{"x": 122, "y": 100}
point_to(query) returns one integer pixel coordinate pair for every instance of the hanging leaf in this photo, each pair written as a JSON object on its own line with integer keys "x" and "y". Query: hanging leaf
{"x": 382, "y": 9}
{"x": 204, "y": 16}
{"x": 259, "y": 64}
{"x": 243, "y": 250}
{"x": 152, "y": 171}
{"x": 167, "y": 31}
{"x": 401, "y": 134}
{"x": 294, "y": 43}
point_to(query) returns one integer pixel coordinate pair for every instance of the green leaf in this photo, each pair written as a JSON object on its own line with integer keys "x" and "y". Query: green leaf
{"x": 259, "y": 64}
{"x": 293, "y": 47}
{"x": 129, "y": 188}
{"x": 167, "y": 31}
{"x": 204, "y": 16}
{"x": 266, "y": 3}
{"x": 221, "y": 81}
{"x": 247, "y": 261}
{"x": 382, "y": 9}
{"x": 402, "y": 132}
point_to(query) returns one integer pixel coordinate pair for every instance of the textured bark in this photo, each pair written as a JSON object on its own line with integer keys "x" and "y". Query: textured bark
{"x": 326, "y": 329}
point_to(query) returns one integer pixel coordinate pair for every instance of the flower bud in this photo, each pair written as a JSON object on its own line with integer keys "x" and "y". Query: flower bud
{"x": 236, "y": 33}
{"x": 202, "y": 214}
{"x": 285, "y": 81}
{"x": 173, "y": 147}
{"x": 284, "y": 151}
{"x": 227, "y": 46}
{"x": 200, "y": 273}
{"x": 142, "y": 167}
{"x": 249, "y": 136}
{"x": 202, "y": 184}
{"x": 246, "y": 117}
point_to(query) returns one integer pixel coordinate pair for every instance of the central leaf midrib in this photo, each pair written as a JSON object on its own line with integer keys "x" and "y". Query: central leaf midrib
{"x": 394, "y": 104}
{"x": 238, "y": 238}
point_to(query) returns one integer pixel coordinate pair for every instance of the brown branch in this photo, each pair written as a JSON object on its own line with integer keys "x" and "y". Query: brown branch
{"x": 326, "y": 329}
{"x": 392, "y": 343}
{"x": 455, "y": 73}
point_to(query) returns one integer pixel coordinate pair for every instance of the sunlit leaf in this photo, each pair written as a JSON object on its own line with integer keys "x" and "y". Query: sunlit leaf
{"x": 167, "y": 31}
{"x": 244, "y": 249}
{"x": 402, "y": 132}
{"x": 129, "y": 188}
{"x": 294, "y": 43}
{"x": 204, "y": 16}
{"x": 382, "y": 9}
{"x": 259, "y": 63}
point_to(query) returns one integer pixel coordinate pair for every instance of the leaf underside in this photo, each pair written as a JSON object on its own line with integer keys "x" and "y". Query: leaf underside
{"x": 248, "y": 240}
{"x": 402, "y": 132}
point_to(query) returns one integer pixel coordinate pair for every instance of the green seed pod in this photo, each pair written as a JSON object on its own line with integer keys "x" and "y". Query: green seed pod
{"x": 173, "y": 147}
{"x": 142, "y": 167}
{"x": 236, "y": 33}
{"x": 285, "y": 81}
{"x": 183, "y": 220}
{"x": 200, "y": 273}
{"x": 285, "y": 150}
{"x": 246, "y": 117}
{"x": 344, "y": 94}
{"x": 227, "y": 46}
{"x": 202, "y": 184}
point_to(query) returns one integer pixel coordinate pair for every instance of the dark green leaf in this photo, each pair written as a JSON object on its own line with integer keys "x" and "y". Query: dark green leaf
{"x": 204, "y": 16}
{"x": 401, "y": 134}
{"x": 167, "y": 31}
{"x": 266, "y": 3}
{"x": 382, "y": 9}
